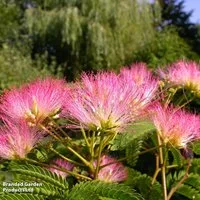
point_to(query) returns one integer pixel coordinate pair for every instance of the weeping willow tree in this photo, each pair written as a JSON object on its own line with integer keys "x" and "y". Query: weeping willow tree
{"x": 16, "y": 63}
{"x": 90, "y": 34}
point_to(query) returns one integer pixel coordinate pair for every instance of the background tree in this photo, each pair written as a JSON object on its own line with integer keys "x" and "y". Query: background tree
{"x": 89, "y": 35}
{"x": 16, "y": 63}
{"x": 165, "y": 48}
{"x": 173, "y": 14}
{"x": 69, "y": 36}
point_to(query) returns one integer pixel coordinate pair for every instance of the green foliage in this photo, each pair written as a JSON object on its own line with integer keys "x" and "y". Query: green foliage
{"x": 174, "y": 14}
{"x": 51, "y": 185}
{"x": 195, "y": 168}
{"x": 17, "y": 68}
{"x": 41, "y": 155}
{"x": 165, "y": 49}
{"x": 132, "y": 151}
{"x": 39, "y": 173}
{"x": 196, "y": 147}
{"x": 10, "y": 18}
{"x": 132, "y": 140}
{"x": 189, "y": 192}
{"x": 22, "y": 196}
{"x": 95, "y": 190}
{"x": 138, "y": 129}
{"x": 88, "y": 35}
{"x": 174, "y": 177}
{"x": 142, "y": 183}
{"x": 177, "y": 157}
{"x": 194, "y": 181}
{"x": 191, "y": 187}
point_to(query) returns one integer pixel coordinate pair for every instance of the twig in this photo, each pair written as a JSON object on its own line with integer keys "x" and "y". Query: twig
{"x": 58, "y": 168}
{"x": 163, "y": 169}
{"x": 156, "y": 171}
{"x": 65, "y": 158}
{"x": 175, "y": 188}
{"x": 99, "y": 157}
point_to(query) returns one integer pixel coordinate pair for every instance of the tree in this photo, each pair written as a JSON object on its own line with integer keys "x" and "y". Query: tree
{"x": 9, "y": 26}
{"x": 164, "y": 49}
{"x": 17, "y": 67}
{"x": 91, "y": 34}
{"x": 16, "y": 64}
{"x": 173, "y": 14}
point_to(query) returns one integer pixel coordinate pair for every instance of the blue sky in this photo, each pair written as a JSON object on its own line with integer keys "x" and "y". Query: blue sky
{"x": 195, "y": 6}
{"x": 191, "y": 5}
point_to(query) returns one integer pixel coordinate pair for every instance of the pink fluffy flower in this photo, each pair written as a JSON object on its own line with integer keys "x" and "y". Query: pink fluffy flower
{"x": 113, "y": 172}
{"x": 182, "y": 73}
{"x": 34, "y": 102}
{"x": 63, "y": 164}
{"x": 104, "y": 102}
{"x": 16, "y": 141}
{"x": 141, "y": 79}
{"x": 176, "y": 127}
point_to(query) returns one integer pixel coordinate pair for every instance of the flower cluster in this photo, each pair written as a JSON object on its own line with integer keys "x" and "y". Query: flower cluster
{"x": 184, "y": 74}
{"x": 62, "y": 164}
{"x": 16, "y": 141}
{"x": 34, "y": 102}
{"x": 23, "y": 110}
{"x": 108, "y": 102}
{"x": 144, "y": 84}
{"x": 100, "y": 103}
{"x": 111, "y": 170}
{"x": 176, "y": 127}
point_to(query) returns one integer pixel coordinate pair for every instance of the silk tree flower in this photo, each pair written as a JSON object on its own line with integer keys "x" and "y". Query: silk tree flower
{"x": 140, "y": 78}
{"x": 176, "y": 127}
{"x": 113, "y": 171}
{"x": 16, "y": 141}
{"x": 34, "y": 102}
{"x": 101, "y": 102}
{"x": 63, "y": 164}
{"x": 184, "y": 74}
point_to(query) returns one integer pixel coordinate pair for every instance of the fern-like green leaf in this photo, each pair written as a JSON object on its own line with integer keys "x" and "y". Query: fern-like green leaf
{"x": 196, "y": 148}
{"x": 174, "y": 178}
{"x": 49, "y": 190}
{"x": 191, "y": 186}
{"x": 189, "y": 192}
{"x": 133, "y": 150}
{"x": 95, "y": 190}
{"x": 142, "y": 184}
{"x": 41, "y": 155}
{"x": 33, "y": 172}
{"x": 17, "y": 196}
{"x": 134, "y": 131}
{"x": 194, "y": 181}
{"x": 44, "y": 189}
{"x": 177, "y": 157}
{"x": 52, "y": 186}
{"x": 195, "y": 168}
